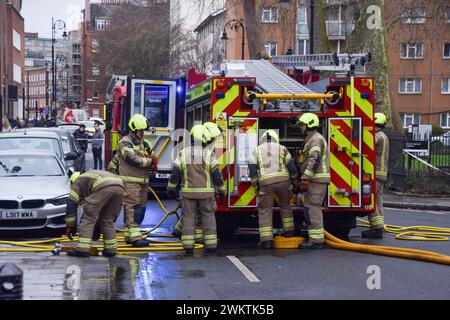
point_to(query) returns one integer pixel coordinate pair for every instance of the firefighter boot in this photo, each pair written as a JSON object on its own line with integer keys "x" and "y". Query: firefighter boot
{"x": 140, "y": 243}
{"x": 78, "y": 254}
{"x": 108, "y": 254}
{"x": 266, "y": 244}
{"x": 310, "y": 245}
{"x": 373, "y": 234}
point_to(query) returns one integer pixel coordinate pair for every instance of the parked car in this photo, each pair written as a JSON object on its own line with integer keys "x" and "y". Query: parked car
{"x": 34, "y": 189}
{"x": 444, "y": 139}
{"x": 42, "y": 139}
{"x": 68, "y": 127}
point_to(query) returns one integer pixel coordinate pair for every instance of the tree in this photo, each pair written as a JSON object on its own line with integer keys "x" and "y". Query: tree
{"x": 141, "y": 41}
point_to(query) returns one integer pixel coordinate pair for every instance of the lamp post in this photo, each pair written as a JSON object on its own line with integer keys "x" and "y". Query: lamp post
{"x": 56, "y": 25}
{"x": 234, "y": 25}
{"x": 64, "y": 60}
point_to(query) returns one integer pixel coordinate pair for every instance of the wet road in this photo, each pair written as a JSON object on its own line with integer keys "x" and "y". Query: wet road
{"x": 240, "y": 271}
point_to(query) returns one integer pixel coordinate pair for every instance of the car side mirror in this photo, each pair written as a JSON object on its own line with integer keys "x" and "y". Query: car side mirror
{"x": 70, "y": 156}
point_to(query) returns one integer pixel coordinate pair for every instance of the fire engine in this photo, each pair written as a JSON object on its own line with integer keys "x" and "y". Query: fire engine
{"x": 161, "y": 101}
{"x": 250, "y": 97}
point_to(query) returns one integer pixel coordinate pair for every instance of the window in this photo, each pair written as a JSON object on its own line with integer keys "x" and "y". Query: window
{"x": 445, "y": 120}
{"x": 410, "y": 119}
{"x": 95, "y": 69}
{"x": 302, "y": 20}
{"x": 28, "y": 62}
{"x": 303, "y": 47}
{"x": 95, "y": 94}
{"x": 271, "y": 49}
{"x": 101, "y": 24}
{"x": 95, "y": 46}
{"x": 96, "y": 112}
{"x": 270, "y": 14}
{"x": 28, "y": 42}
{"x": 445, "y": 86}
{"x": 446, "y": 50}
{"x": 410, "y": 86}
{"x": 17, "y": 73}
{"x": 414, "y": 15}
{"x": 156, "y": 105}
{"x": 332, "y": 14}
{"x": 411, "y": 51}
{"x": 17, "y": 40}
{"x": 447, "y": 15}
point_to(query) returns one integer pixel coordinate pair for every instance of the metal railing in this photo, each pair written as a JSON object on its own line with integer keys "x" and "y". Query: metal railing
{"x": 425, "y": 170}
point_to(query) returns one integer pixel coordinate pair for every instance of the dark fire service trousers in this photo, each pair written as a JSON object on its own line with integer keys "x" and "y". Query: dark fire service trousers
{"x": 207, "y": 208}
{"x": 313, "y": 201}
{"x": 376, "y": 219}
{"x": 135, "y": 200}
{"x": 266, "y": 199}
{"x": 102, "y": 208}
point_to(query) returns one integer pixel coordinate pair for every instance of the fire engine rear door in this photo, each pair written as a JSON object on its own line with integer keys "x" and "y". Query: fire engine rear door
{"x": 242, "y": 141}
{"x": 344, "y": 141}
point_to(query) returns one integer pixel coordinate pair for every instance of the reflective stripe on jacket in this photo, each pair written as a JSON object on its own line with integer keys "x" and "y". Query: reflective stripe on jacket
{"x": 315, "y": 158}
{"x": 199, "y": 173}
{"x": 91, "y": 181}
{"x": 133, "y": 165}
{"x": 273, "y": 163}
{"x": 382, "y": 143}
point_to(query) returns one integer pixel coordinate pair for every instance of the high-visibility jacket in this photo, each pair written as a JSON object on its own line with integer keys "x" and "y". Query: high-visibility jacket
{"x": 382, "y": 143}
{"x": 315, "y": 158}
{"x": 133, "y": 164}
{"x": 198, "y": 172}
{"x": 271, "y": 163}
{"x": 113, "y": 166}
{"x": 84, "y": 186}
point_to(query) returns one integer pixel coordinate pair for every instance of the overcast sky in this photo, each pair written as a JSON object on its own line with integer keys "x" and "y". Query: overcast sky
{"x": 38, "y": 14}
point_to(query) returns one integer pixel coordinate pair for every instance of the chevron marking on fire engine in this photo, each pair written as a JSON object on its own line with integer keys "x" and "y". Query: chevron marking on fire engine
{"x": 338, "y": 136}
{"x": 363, "y": 104}
{"x": 368, "y": 138}
{"x": 343, "y": 171}
{"x": 223, "y": 104}
{"x": 246, "y": 198}
{"x": 339, "y": 199}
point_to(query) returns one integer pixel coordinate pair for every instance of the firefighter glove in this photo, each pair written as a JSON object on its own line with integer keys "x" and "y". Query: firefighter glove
{"x": 295, "y": 186}
{"x": 172, "y": 194}
{"x": 304, "y": 185}
{"x": 154, "y": 165}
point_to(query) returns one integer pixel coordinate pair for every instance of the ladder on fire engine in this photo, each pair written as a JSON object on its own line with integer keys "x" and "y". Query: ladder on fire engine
{"x": 269, "y": 78}
{"x": 324, "y": 62}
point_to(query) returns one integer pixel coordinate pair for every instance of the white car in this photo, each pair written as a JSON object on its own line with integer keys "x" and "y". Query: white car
{"x": 34, "y": 189}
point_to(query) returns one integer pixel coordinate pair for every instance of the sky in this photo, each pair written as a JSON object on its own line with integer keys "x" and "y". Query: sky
{"x": 38, "y": 14}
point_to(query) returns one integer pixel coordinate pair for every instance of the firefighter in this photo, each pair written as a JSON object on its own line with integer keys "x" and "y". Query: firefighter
{"x": 214, "y": 133}
{"x": 113, "y": 165}
{"x": 314, "y": 179}
{"x": 134, "y": 168}
{"x": 198, "y": 172}
{"x": 271, "y": 170}
{"x": 376, "y": 219}
{"x": 101, "y": 192}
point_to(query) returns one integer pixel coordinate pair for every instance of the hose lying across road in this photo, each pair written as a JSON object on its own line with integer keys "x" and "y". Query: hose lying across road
{"x": 404, "y": 233}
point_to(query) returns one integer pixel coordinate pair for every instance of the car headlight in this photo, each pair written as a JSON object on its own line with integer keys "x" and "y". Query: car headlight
{"x": 59, "y": 201}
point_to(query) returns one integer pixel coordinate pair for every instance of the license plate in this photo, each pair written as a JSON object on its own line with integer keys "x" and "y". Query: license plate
{"x": 162, "y": 176}
{"x": 19, "y": 214}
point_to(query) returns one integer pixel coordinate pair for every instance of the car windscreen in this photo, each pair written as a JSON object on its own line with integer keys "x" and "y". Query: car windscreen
{"x": 29, "y": 165}
{"x": 33, "y": 143}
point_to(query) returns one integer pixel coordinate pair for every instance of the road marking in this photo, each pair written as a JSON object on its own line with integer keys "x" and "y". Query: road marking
{"x": 242, "y": 268}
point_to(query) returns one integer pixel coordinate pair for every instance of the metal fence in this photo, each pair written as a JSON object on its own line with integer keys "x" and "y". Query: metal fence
{"x": 420, "y": 166}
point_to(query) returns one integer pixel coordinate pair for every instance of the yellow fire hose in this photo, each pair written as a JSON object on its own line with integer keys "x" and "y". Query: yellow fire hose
{"x": 404, "y": 233}
{"x": 416, "y": 233}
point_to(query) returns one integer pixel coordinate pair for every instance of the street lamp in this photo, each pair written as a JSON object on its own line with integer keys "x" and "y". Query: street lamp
{"x": 56, "y": 25}
{"x": 234, "y": 25}
{"x": 66, "y": 68}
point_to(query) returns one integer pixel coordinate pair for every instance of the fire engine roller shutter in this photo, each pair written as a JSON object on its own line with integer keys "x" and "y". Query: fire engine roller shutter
{"x": 344, "y": 141}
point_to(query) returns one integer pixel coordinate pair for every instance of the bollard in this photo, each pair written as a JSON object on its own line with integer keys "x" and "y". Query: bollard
{"x": 11, "y": 282}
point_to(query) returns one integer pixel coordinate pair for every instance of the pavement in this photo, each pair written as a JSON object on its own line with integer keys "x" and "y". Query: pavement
{"x": 399, "y": 200}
